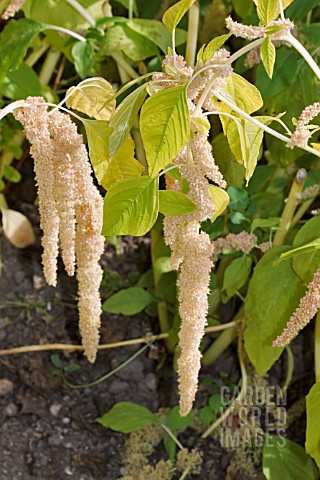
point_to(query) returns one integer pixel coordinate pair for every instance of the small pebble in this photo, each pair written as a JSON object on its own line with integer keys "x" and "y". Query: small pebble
{"x": 66, "y": 420}
{"x": 68, "y": 471}
{"x": 55, "y": 409}
{"x": 6, "y": 387}
{"x": 11, "y": 410}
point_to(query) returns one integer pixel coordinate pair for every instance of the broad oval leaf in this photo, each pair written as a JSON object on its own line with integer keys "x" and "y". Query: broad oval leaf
{"x": 128, "y": 302}
{"x": 131, "y": 207}
{"x": 127, "y": 417}
{"x": 165, "y": 127}
{"x": 131, "y": 43}
{"x": 122, "y": 120}
{"x": 313, "y": 430}
{"x": 220, "y": 199}
{"x": 94, "y": 97}
{"x": 284, "y": 459}
{"x": 212, "y": 47}
{"x": 175, "y": 203}
{"x": 174, "y": 14}
{"x": 83, "y": 56}
{"x": 236, "y": 276}
{"x": 156, "y": 32}
{"x": 17, "y": 228}
{"x": 268, "y": 55}
{"x": 267, "y": 309}
{"x": 306, "y": 265}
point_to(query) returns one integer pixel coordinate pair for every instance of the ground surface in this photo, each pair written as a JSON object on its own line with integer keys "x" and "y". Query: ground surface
{"x": 48, "y": 431}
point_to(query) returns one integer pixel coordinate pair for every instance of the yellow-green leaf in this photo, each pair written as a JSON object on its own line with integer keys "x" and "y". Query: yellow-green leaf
{"x": 122, "y": 120}
{"x": 94, "y": 97}
{"x": 212, "y": 47}
{"x": 174, "y": 14}
{"x": 269, "y": 10}
{"x": 97, "y": 134}
{"x": 131, "y": 207}
{"x": 122, "y": 165}
{"x": 220, "y": 199}
{"x": 313, "y": 430}
{"x": 268, "y": 56}
{"x": 175, "y": 203}
{"x": 165, "y": 127}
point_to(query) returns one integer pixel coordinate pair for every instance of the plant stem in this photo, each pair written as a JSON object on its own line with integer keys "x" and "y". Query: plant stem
{"x": 124, "y": 343}
{"x": 301, "y": 211}
{"x": 109, "y": 374}
{"x": 244, "y": 50}
{"x": 130, "y": 10}
{"x": 303, "y": 52}
{"x": 219, "y": 346}
{"x": 185, "y": 473}
{"x": 290, "y": 369}
{"x": 125, "y": 65}
{"x": 83, "y": 12}
{"x": 253, "y": 120}
{"x": 290, "y": 207}
{"x": 48, "y": 66}
{"x": 174, "y": 438}
{"x": 67, "y": 31}
{"x": 3, "y": 202}
{"x": 34, "y": 56}
{"x": 193, "y": 25}
{"x": 317, "y": 347}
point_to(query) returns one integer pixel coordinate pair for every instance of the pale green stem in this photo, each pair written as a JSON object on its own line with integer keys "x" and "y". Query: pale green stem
{"x": 317, "y": 347}
{"x": 281, "y": 10}
{"x": 244, "y": 50}
{"x": 290, "y": 369}
{"x": 259, "y": 124}
{"x": 185, "y": 473}
{"x": 223, "y": 341}
{"x": 173, "y": 37}
{"x": 130, "y": 14}
{"x": 193, "y": 25}
{"x": 301, "y": 211}
{"x": 303, "y": 52}
{"x": 32, "y": 59}
{"x": 290, "y": 207}
{"x": 167, "y": 429}
{"x": 125, "y": 65}
{"x": 230, "y": 409}
{"x": 82, "y": 11}
{"x": 67, "y": 31}
{"x": 48, "y": 66}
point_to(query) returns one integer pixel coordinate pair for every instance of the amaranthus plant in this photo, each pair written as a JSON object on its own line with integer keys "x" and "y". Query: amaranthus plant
{"x": 157, "y": 126}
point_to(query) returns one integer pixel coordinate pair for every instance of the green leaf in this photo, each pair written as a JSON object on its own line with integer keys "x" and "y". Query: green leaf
{"x": 284, "y": 459}
{"x": 131, "y": 207}
{"x": 268, "y": 55}
{"x": 236, "y": 275}
{"x": 269, "y": 10}
{"x": 122, "y": 121}
{"x": 122, "y": 165}
{"x": 165, "y": 127}
{"x": 14, "y": 42}
{"x": 56, "y": 361}
{"x": 267, "y": 309}
{"x": 232, "y": 171}
{"x": 242, "y": 8}
{"x": 313, "y": 431}
{"x": 220, "y": 199}
{"x": 212, "y": 47}
{"x": 174, "y": 14}
{"x": 135, "y": 46}
{"x": 206, "y": 415}
{"x": 83, "y": 56}
{"x": 127, "y": 417}
{"x": 264, "y": 223}
{"x": 239, "y": 199}
{"x": 306, "y": 265}
{"x": 156, "y": 32}
{"x": 161, "y": 265}
{"x": 21, "y": 83}
{"x": 128, "y": 302}
{"x": 12, "y": 174}
{"x": 94, "y": 97}
{"x": 308, "y": 248}
{"x": 175, "y": 203}
{"x": 97, "y": 134}
{"x": 175, "y": 422}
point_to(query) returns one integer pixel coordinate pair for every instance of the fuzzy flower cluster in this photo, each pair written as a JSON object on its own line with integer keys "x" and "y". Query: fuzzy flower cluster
{"x": 251, "y": 32}
{"x": 307, "y": 309}
{"x": 302, "y": 133}
{"x": 12, "y": 9}
{"x": 242, "y": 242}
{"x": 71, "y": 208}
